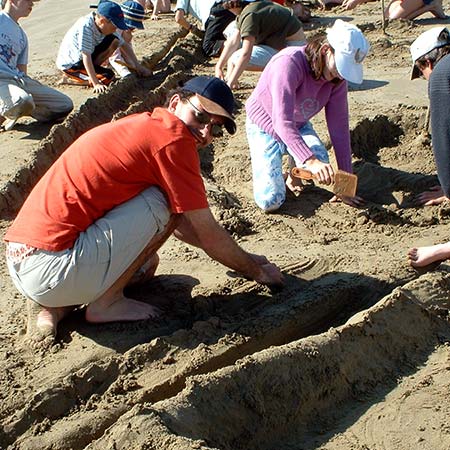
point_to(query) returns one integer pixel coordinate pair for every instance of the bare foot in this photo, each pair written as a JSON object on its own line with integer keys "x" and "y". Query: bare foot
{"x": 294, "y": 184}
{"x": 67, "y": 80}
{"x": 43, "y": 321}
{"x": 122, "y": 310}
{"x": 434, "y": 8}
{"x": 423, "y": 256}
{"x": 434, "y": 196}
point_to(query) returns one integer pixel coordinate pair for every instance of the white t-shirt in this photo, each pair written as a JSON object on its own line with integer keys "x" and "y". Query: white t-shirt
{"x": 13, "y": 46}
{"x": 200, "y": 9}
{"x": 82, "y": 37}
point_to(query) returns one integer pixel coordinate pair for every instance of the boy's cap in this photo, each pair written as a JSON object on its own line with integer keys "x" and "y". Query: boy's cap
{"x": 134, "y": 14}
{"x": 113, "y": 12}
{"x": 215, "y": 96}
{"x": 350, "y": 48}
{"x": 425, "y": 43}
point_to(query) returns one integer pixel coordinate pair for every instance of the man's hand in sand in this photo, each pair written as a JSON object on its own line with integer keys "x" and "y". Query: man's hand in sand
{"x": 423, "y": 256}
{"x": 435, "y": 196}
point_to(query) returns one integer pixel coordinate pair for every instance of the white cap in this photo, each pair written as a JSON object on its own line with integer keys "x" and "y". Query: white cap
{"x": 350, "y": 48}
{"x": 427, "y": 41}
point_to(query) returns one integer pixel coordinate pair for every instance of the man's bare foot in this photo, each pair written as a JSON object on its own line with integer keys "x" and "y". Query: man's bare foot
{"x": 122, "y": 310}
{"x": 423, "y": 256}
{"x": 43, "y": 322}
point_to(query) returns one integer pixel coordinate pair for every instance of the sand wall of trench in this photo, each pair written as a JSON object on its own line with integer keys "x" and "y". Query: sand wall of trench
{"x": 276, "y": 397}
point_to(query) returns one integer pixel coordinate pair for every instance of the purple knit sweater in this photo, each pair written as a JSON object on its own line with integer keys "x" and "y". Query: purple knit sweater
{"x": 287, "y": 96}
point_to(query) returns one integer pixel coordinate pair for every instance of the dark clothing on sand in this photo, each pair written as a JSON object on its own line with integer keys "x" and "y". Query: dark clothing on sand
{"x": 439, "y": 93}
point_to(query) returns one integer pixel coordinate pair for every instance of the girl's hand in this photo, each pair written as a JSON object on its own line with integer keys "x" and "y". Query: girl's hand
{"x": 324, "y": 173}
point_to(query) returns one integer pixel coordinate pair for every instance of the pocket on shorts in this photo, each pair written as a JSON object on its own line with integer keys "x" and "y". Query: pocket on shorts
{"x": 41, "y": 272}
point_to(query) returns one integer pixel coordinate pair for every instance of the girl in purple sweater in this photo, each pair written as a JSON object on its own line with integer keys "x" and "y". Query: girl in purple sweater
{"x": 296, "y": 84}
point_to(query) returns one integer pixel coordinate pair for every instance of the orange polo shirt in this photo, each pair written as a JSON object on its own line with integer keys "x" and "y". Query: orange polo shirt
{"x": 105, "y": 167}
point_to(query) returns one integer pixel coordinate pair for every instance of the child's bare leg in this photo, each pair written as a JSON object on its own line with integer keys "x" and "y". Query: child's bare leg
{"x": 43, "y": 321}
{"x": 422, "y": 256}
{"x": 103, "y": 57}
{"x": 410, "y": 9}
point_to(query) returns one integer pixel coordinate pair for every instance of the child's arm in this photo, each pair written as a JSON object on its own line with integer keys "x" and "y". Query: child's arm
{"x": 89, "y": 66}
{"x": 132, "y": 62}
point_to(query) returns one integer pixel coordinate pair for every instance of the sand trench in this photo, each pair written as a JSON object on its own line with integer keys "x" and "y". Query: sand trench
{"x": 352, "y": 354}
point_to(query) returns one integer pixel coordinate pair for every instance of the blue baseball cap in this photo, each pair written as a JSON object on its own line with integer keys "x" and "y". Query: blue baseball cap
{"x": 215, "y": 96}
{"x": 113, "y": 12}
{"x": 134, "y": 14}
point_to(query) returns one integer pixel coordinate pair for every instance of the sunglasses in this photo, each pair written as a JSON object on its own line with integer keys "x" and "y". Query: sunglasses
{"x": 204, "y": 118}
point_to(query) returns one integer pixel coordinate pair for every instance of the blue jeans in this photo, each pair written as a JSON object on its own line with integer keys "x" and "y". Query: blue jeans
{"x": 269, "y": 187}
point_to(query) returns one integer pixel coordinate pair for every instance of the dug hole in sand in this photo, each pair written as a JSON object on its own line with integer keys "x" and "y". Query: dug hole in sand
{"x": 352, "y": 354}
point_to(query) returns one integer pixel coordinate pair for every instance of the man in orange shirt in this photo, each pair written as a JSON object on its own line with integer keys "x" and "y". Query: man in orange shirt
{"x": 111, "y": 200}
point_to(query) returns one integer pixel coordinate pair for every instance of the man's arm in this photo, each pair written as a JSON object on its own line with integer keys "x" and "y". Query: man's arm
{"x": 199, "y": 228}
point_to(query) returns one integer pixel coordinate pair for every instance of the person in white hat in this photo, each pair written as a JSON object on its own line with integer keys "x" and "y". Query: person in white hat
{"x": 296, "y": 84}
{"x": 124, "y": 59}
{"x": 430, "y": 55}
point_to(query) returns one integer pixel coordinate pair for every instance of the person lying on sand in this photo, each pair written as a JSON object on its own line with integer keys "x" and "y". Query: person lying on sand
{"x": 423, "y": 256}
{"x": 430, "y": 54}
{"x": 21, "y": 95}
{"x": 296, "y": 84}
{"x": 398, "y": 9}
{"x": 94, "y": 222}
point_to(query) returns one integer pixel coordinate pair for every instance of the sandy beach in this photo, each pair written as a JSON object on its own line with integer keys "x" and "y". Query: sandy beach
{"x": 352, "y": 354}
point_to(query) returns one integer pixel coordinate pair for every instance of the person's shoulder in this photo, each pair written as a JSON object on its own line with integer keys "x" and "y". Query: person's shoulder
{"x": 441, "y": 70}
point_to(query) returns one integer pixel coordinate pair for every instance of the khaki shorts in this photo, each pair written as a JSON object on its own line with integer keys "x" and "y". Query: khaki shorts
{"x": 101, "y": 254}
